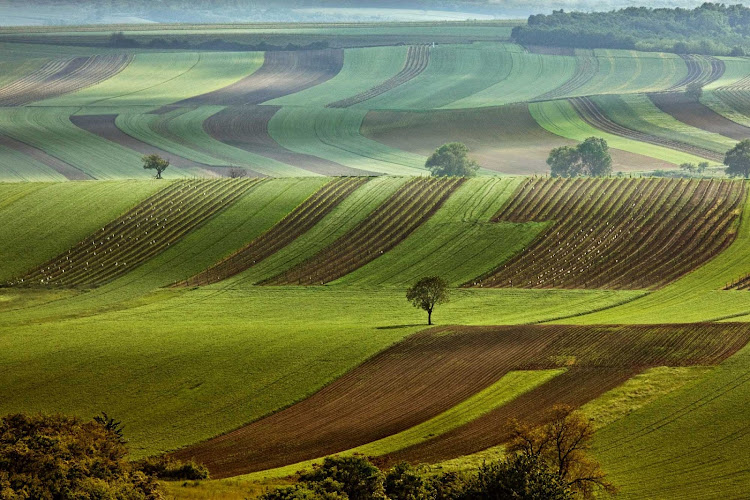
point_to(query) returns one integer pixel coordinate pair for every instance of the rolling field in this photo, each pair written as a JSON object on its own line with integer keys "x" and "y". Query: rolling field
{"x": 259, "y": 323}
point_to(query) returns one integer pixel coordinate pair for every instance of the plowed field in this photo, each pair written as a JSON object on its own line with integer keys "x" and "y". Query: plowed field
{"x": 697, "y": 115}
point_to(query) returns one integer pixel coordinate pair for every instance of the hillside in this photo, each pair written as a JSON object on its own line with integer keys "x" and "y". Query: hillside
{"x": 224, "y": 352}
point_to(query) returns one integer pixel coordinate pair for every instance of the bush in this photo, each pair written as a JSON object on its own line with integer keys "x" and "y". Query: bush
{"x": 169, "y": 469}
{"x": 59, "y": 457}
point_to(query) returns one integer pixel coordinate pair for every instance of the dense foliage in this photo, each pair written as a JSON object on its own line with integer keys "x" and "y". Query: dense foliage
{"x": 427, "y": 293}
{"x": 452, "y": 160}
{"x": 737, "y": 160}
{"x": 712, "y": 28}
{"x": 589, "y": 158}
{"x": 56, "y": 457}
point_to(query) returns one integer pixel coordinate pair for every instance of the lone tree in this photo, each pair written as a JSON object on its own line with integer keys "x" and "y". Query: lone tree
{"x": 737, "y": 160}
{"x": 452, "y": 160}
{"x": 427, "y": 293}
{"x": 155, "y": 162}
{"x": 694, "y": 91}
{"x": 561, "y": 445}
{"x": 590, "y": 158}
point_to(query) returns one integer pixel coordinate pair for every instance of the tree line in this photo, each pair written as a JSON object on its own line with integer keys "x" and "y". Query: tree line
{"x": 711, "y": 29}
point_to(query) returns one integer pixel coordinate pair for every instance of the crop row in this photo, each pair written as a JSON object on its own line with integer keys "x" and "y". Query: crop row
{"x": 417, "y": 59}
{"x": 702, "y": 70}
{"x": 143, "y": 232}
{"x": 621, "y": 234}
{"x": 587, "y": 67}
{"x": 297, "y": 223}
{"x": 394, "y": 220}
{"x": 433, "y": 371}
{"x": 62, "y": 77}
{"x": 591, "y": 114}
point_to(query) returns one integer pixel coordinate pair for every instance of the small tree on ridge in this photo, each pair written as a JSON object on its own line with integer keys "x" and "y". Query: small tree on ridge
{"x": 155, "y": 162}
{"x": 427, "y": 293}
{"x": 737, "y": 160}
{"x": 591, "y": 157}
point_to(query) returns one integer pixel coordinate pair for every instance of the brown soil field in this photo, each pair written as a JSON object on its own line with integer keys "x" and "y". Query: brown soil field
{"x": 434, "y": 370}
{"x": 417, "y": 59}
{"x": 389, "y": 224}
{"x": 700, "y": 73}
{"x": 69, "y": 171}
{"x": 142, "y": 233}
{"x": 617, "y": 233}
{"x": 104, "y": 126}
{"x": 246, "y": 127}
{"x": 61, "y": 77}
{"x": 505, "y": 139}
{"x": 591, "y": 114}
{"x": 282, "y": 73}
{"x": 299, "y": 221}
{"x": 697, "y": 115}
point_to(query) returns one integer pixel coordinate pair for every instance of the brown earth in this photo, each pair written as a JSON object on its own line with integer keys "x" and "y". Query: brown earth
{"x": 246, "y": 127}
{"x": 282, "y": 73}
{"x": 61, "y": 77}
{"x": 430, "y": 372}
{"x": 69, "y": 171}
{"x": 505, "y": 139}
{"x": 697, "y": 115}
{"x": 617, "y": 233}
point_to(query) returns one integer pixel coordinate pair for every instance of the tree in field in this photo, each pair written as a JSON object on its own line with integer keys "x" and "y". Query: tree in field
{"x": 694, "y": 91}
{"x": 737, "y": 160}
{"x": 155, "y": 162}
{"x": 561, "y": 444}
{"x": 427, "y": 293}
{"x": 591, "y": 158}
{"x": 452, "y": 160}
{"x": 55, "y": 457}
{"x": 521, "y": 477}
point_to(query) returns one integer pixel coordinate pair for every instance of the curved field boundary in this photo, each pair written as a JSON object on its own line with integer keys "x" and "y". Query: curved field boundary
{"x": 587, "y": 67}
{"x": 297, "y": 223}
{"x": 431, "y": 372}
{"x": 617, "y": 233}
{"x": 246, "y": 128}
{"x": 701, "y": 69}
{"x": 282, "y": 73}
{"x": 65, "y": 169}
{"x": 413, "y": 204}
{"x": 62, "y": 77}
{"x": 417, "y": 59}
{"x": 592, "y": 115}
{"x": 143, "y": 232}
{"x": 695, "y": 114}
{"x": 104, "y": 126}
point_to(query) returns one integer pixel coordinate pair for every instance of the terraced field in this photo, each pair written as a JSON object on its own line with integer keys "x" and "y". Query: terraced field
{"x": 618, "y": 234}
{"x": 364, "y": 406}
{"x": 393, "y": 221}
{"x": 137, "y": 236}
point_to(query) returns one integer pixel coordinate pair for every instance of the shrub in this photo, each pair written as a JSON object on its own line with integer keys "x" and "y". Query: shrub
{"x": 169, "y": 469}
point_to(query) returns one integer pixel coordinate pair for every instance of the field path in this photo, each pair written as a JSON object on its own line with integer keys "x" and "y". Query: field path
{"x": 433, "y": 371}
{"x": 697, "y": 115}
{"x": 282, "y": 73}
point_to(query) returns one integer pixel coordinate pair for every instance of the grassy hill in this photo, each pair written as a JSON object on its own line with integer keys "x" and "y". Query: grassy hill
{"x": 181, "y": 365}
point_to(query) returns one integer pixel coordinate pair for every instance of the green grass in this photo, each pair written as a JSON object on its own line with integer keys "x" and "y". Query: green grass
{"x": 363, "y": 69}
{"x": 50, "y": 218}
{"x": 459, "y": 243}
{"x": 17, "y": 166}
{"x": 637, "y": 112}
{"x": 51, "y": 130}
{"x": 530, "y": 75}
{"x": 333, "y": 134}
{"x": 12, "y": 68}
{"x": 689, "y": 444}
{"x": 629, "y": 71}
{"x": 736, "y": 68}
{"x": 155, "y": 79}
{"x": 561, "y": 119}
{"x": 505, "y": 390}
{"x": 729, "y": 108}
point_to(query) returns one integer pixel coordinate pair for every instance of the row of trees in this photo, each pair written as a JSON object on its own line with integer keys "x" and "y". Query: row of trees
{"x": 712, "y": 28}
